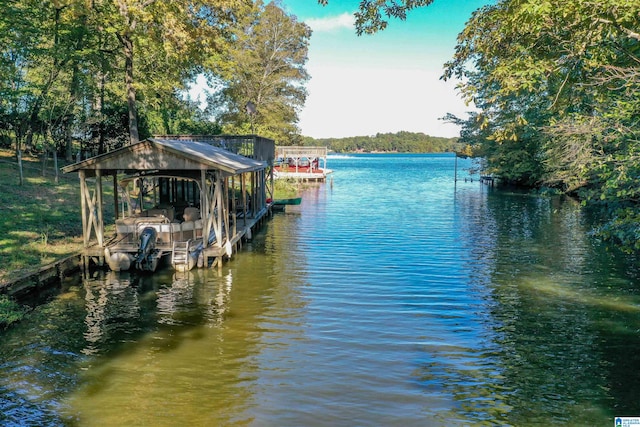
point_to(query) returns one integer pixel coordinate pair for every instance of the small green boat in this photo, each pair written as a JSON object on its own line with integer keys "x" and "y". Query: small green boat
{"x": 292, "y": 201}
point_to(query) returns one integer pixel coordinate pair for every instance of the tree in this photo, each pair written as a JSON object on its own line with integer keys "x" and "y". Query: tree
{"x": 41, "y": 43}
{"x": 556, "y": 85}
{"x": 168, "y": 40}
{"x": 373, "y": 15}
{"x": 529, "y": 64}
{"x": 177, "y": 116}
{"x": 65, "y": 64}
{"x": 265, "y": 66}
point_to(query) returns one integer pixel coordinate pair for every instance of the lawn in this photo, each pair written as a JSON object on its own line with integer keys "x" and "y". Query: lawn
{"x": 39, "y": 220}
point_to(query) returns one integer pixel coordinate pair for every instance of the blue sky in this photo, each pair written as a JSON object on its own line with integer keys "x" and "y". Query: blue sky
{"x": 387, "y": 82}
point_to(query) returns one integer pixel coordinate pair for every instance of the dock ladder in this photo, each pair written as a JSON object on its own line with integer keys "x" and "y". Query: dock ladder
{"x": 180, "y": 253}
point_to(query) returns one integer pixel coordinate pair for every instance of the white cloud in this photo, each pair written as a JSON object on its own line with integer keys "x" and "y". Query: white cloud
{"x": 350, "y": 101}
{"x": 332, "y": 23}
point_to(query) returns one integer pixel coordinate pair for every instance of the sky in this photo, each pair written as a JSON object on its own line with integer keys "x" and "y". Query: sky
{"x": 382, "y": 83}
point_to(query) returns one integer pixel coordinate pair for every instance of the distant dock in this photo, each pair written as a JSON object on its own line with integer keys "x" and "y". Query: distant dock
{"x": 301, "y": 163}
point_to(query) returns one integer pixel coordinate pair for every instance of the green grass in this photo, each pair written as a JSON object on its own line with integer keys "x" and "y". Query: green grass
{"x": 10, "y": 312}
{"x": 287, "y": 188}
{"x": 40, "y": 220}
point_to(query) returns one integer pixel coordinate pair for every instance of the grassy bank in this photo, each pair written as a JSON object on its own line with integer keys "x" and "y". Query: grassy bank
{"x": 287, "y": 188}
{"x": 40, "y": 220}
{"x": 10, "y": 312}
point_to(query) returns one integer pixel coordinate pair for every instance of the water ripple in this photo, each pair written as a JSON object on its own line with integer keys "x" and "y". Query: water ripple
{"x": 393, "y": 296}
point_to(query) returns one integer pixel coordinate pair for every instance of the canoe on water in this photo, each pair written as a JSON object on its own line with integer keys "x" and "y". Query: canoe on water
{"x": 292, "y": 201}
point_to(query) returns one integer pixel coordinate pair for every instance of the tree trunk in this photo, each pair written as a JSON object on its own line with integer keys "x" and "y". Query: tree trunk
{"x": 33, "y": 120}
{"x": 74, "y": 90}
{"x": 70, "y": 119}
{"x": 45, "y": 157}
{"x": 131, "y": 90}
{"x": 68, "y": 151}
{"x": 20, "y": 167}
{"x": 99, "y": 108}
{"x": 55, "y": 166}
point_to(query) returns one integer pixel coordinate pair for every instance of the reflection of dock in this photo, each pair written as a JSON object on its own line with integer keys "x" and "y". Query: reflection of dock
{"x": 301, "y": 163}
{"x": 488, "y": 179}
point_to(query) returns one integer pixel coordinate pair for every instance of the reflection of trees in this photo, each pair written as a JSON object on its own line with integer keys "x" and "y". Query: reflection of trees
{"x": 544, "y": 353}
{"x": 112, "y": 307}
{"x": 38, "y": 360}
{"x": 127, "y": 349}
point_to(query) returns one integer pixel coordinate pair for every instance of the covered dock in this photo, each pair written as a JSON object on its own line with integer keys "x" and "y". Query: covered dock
{"x": 196, "y": 196}
{"x": 303, "y": 163}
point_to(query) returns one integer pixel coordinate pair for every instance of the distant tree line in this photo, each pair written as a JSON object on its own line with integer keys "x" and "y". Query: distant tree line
{"x": 399, "y": 142}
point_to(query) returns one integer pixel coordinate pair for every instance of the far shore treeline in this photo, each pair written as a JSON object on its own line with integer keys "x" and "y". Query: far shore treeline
{"x": 399, "y": 142}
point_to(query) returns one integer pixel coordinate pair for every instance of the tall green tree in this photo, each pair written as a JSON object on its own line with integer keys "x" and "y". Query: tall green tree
{"x": 65, "y": 63}
{"x": 14, "y": 48}
{"x": 529, "y": 66}
{"x": 168, "y": 40}
{"x": 38, "y": 59}
{"x": 264, "y": 68}
{"x": 556, "y": 87}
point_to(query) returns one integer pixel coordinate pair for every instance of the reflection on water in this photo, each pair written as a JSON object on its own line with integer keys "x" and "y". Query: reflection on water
{"x": 192, "y": 357}
{"x": 112, "y": 307}
{"x": 544, "y": 294}
{"x": 174, "y": 298}
{"x": 441, "y": 305}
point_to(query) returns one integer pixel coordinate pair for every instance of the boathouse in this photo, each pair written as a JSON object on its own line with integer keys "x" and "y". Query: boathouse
{"x": 303, "y": 163}
{"x": 194, "y": 197}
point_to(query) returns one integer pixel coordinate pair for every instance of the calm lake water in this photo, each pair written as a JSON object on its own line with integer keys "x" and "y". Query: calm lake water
{"x": 390, "y": 296}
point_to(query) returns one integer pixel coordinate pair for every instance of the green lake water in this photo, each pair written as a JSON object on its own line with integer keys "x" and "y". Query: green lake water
{"x": 391, "y": 296}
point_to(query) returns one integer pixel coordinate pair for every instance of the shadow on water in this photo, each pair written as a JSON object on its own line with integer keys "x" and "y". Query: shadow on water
{"x": 560, "y": 334}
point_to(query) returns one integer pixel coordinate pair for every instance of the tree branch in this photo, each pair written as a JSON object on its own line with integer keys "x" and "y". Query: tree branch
{"x": 627, "y": 31}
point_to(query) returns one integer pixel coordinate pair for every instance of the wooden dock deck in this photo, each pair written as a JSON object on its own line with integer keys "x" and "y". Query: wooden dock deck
{"x": 302, "y": 175}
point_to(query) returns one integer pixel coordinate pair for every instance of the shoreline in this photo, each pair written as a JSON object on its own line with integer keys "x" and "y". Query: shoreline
{"x": 41, "y": 278}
